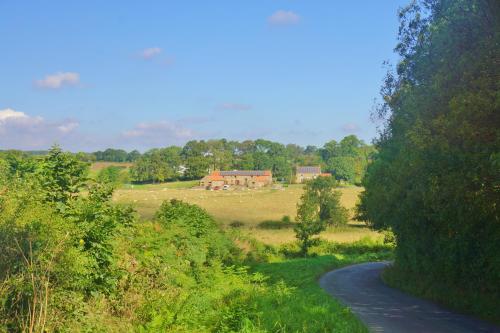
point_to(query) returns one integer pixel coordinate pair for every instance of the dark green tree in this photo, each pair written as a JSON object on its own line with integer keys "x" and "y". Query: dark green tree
{"x": 318, "y": 208}
{"x": 435, "y": 182}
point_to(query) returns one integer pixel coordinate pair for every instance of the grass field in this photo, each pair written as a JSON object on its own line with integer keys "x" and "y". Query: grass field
{"x": 255, "y": 213}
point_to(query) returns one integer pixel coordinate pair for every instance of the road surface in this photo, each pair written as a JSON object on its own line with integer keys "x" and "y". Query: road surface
{"x": 384, "y": 309}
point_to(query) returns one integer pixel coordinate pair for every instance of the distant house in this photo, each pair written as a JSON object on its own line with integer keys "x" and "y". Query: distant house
{"x": 304, "y": 173}
{"x": 248, "y": 178}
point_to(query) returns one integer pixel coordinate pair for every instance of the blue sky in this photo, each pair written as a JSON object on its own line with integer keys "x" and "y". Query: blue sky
{"x": 143, "y": 74}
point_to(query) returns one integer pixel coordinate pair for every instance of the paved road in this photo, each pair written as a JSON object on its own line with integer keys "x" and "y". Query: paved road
{"x": 384, "y": 309}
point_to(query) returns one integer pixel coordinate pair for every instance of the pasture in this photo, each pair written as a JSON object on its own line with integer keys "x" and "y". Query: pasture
{"x": 252, "y": 212}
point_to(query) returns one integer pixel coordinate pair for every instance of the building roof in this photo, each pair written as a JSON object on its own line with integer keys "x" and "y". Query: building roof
{"x": 246, "y": 173}
{"x": 214, "y": 176}
{"x": 308, "y": 169}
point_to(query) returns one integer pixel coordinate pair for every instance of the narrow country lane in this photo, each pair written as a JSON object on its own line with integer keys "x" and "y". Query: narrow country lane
{"x": 384, "y": 309}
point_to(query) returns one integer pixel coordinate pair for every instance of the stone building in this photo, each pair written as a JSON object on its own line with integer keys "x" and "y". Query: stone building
{"x": 248, "y": 178}
{"x": 304, "y": 173}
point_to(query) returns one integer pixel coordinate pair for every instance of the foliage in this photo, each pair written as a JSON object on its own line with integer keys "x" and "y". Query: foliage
{"x": 321, "y": 202}
{"x": 116, "y": 155}
{"x": 97, "y": 221}
{"x": 319, "y": 207}
{"x": 157, "y": 165}
{"x": 40, "y": 261}
{"x": 295, "y": 302}
{"x": 347, "y": 160}
{"x": 62, "y": 175}
{"x": 435, "y": 182}
{"x": 55, "y": 243}
{"x": 114, "y": 175}
{"x": 304, "y": 232}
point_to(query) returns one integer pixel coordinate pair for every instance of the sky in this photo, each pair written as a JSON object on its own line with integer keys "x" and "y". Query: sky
{"x": 143, "y": 74}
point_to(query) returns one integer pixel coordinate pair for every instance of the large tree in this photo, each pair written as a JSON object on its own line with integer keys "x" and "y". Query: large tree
{"x": 436, "y": 179}
{"x": 318, "y": 208}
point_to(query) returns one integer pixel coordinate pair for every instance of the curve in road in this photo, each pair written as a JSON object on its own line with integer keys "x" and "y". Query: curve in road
{"x": 384, "y": 309}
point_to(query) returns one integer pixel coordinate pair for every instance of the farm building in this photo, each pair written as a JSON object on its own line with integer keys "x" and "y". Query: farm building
{"x": 304, "y": 173}
{"x": 249, "y": 178}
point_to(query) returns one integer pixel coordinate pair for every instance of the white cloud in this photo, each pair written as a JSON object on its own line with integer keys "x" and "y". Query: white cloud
{"x": 350, "y": 128}
{"x": 150, "y": 52}
{"x": 58, "y": 80}
{"x": 158, "y": 133}
{"x": 283, "y": 17}
{"x": 21, "y": 131}
{"x": 68, "y": 127}
{"x": 8, "y": 113}
{"x": 234, "y": 107}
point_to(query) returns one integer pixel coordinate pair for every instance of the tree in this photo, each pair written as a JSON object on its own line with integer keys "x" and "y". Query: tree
{"x": 157, "y": 165}
{"x": 113, "y": 175}
{"x": 343, "y": 168}
{"x": 433, "y": 182}
{"x": 318, "y": 208}
{"x": 62, "y": 175}
{"x": 133, "y": 156}
{"x": 304, "y": 232}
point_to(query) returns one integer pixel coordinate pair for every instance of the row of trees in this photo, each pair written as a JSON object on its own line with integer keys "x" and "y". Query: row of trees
{"x": 436, "y": 179}
{"x": 347, "y": 159}
{"x": 115, "y": 155}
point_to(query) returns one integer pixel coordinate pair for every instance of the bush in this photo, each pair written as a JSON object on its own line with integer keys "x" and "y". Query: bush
{"x": 42, "y": 267}
{"x": 236, "y": 224}
{"x": 276, "y": 225}
{"x": 286, "y": 219}
{"x": 114, "y": 175}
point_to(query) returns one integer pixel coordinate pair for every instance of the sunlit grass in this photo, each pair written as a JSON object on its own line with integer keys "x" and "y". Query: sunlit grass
{"x": 247, "y": 209}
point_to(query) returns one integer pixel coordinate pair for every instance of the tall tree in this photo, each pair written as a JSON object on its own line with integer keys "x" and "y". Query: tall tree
{"x": 435, "y": 181}
{"x": 318, "y": 208}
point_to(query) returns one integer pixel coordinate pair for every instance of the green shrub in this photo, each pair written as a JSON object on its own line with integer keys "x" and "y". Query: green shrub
{"x": 115, "y": 175}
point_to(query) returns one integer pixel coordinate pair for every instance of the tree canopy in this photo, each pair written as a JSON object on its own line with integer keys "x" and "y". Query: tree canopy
{"x": 436, "y": 179}
{"x": 346, "y": 160}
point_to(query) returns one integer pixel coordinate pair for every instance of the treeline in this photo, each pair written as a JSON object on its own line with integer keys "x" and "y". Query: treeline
{"x": 436, "y": 179}
{"x": 115, "y": 155}
{"x": 346, "y": 160}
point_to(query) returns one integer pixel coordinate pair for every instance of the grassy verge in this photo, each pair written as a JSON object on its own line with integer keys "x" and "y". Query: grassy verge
{"x": 475, "y": 302}
{"x": 269, "y": 289}
{"x": 297, "y": 303}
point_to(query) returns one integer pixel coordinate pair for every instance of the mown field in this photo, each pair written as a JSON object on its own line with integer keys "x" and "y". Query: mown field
{"x": 255, "y": 213}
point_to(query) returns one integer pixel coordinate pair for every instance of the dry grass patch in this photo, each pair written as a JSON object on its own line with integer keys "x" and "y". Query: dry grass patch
{"x": 244, "y": 210}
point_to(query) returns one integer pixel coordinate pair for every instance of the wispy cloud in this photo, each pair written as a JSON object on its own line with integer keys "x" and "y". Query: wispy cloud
{"x": 19, "y": 130}
{"x": 156, "y": 55}
{"x": 283, "y": 17}
{"x": 350, "y": 128}
{"x": 161, "y": 133}
{"x": 233, "y": 107}
{"x": 58, "y": 80}
{"x": 150, "y": 53}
